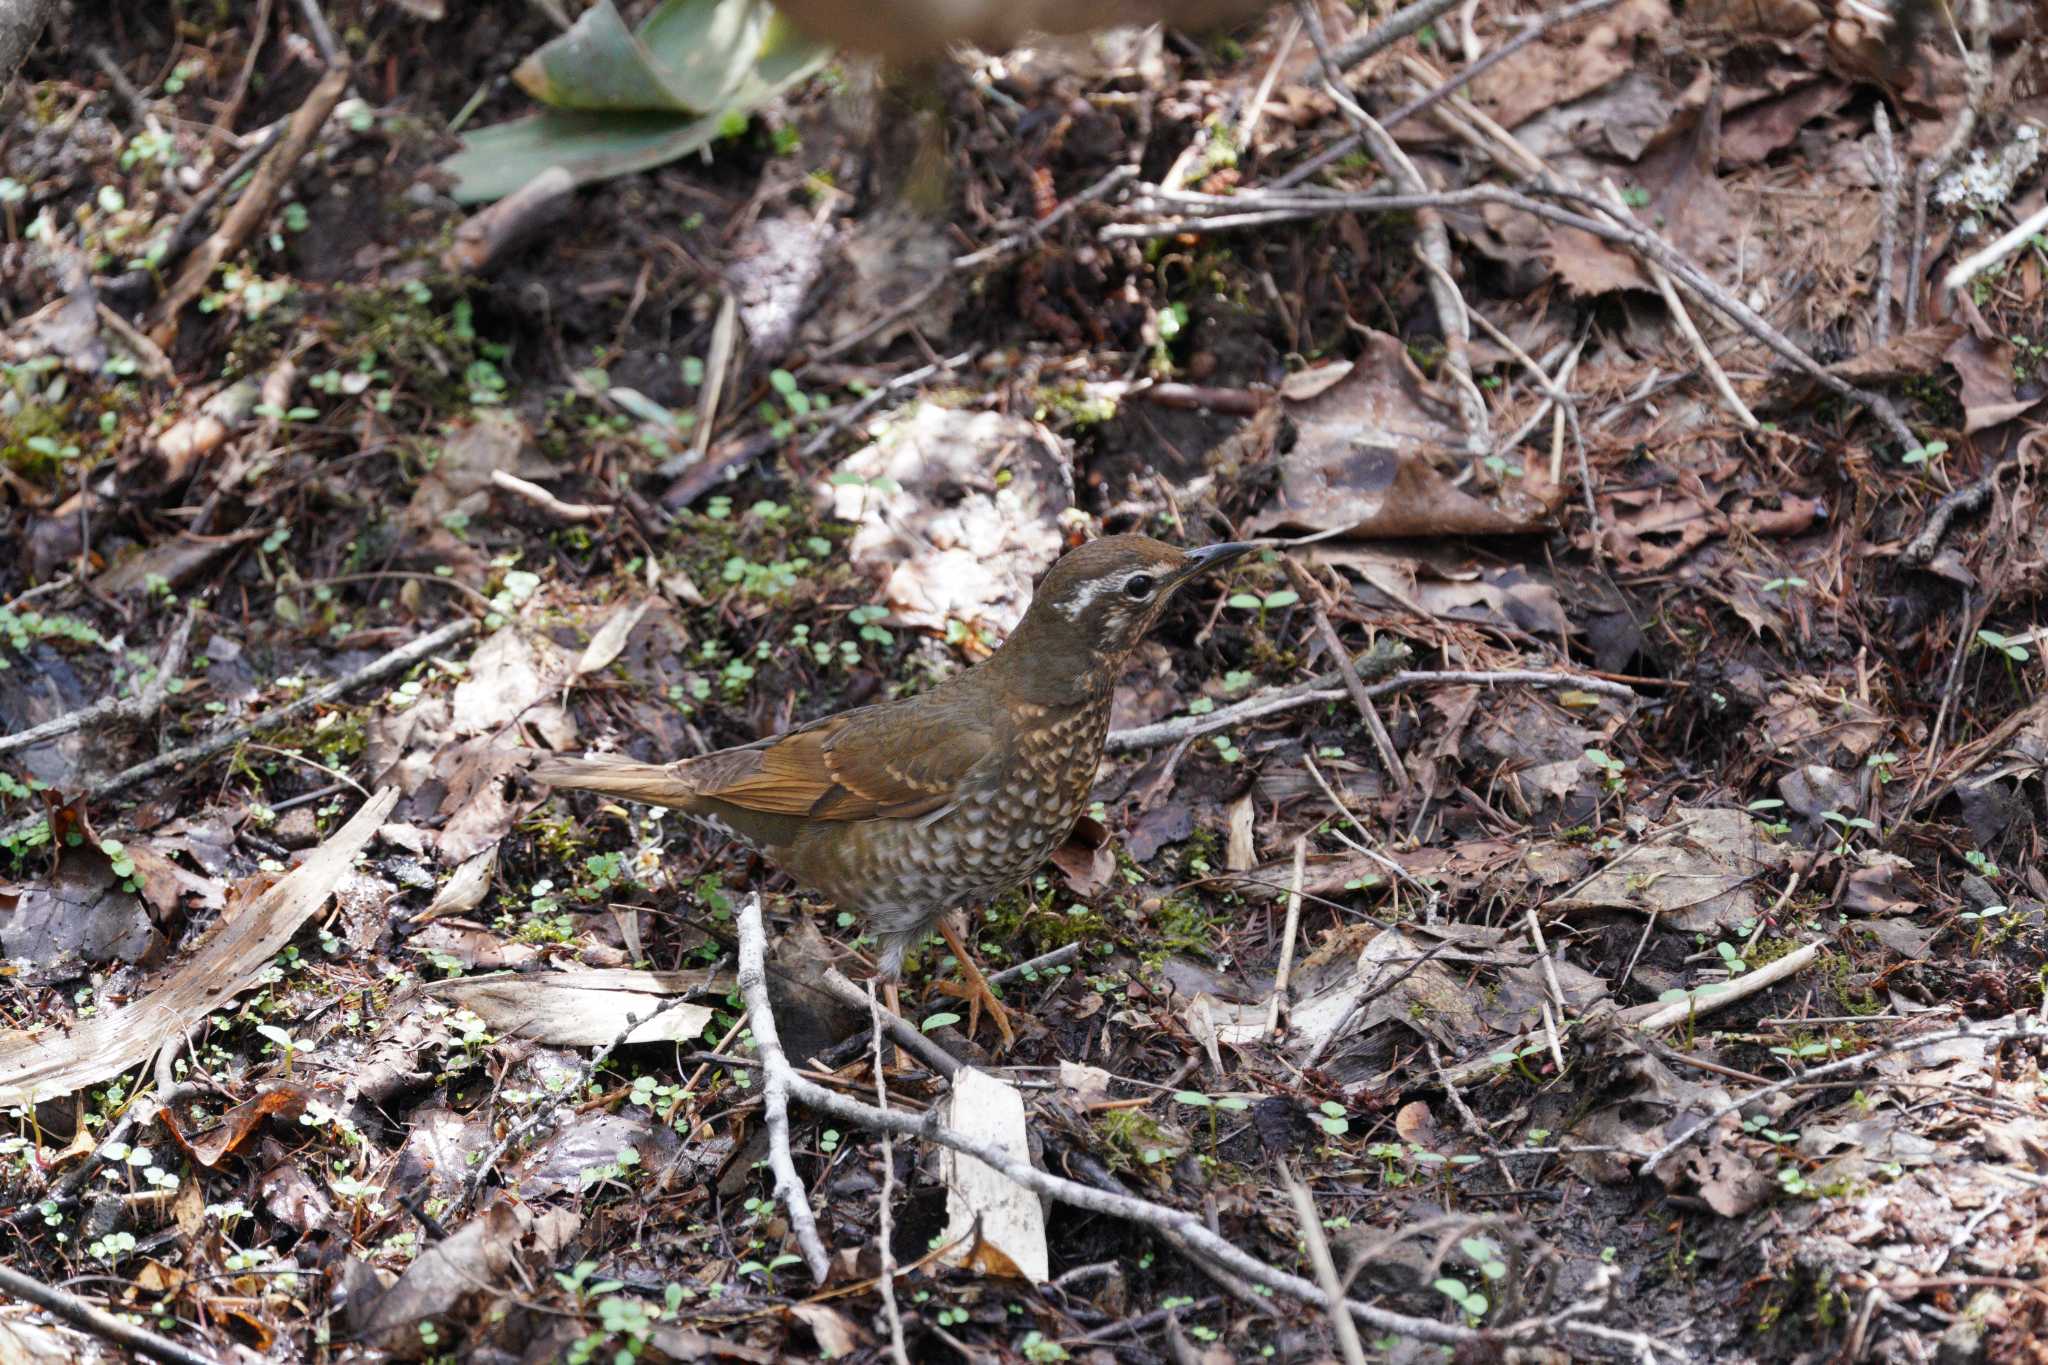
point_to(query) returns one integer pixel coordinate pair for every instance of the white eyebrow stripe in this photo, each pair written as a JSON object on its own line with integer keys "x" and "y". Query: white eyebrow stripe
{"x": 1081, "y": 600}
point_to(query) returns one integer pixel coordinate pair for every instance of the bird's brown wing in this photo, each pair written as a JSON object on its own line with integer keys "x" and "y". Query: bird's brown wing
{"x": 889, "y": 762}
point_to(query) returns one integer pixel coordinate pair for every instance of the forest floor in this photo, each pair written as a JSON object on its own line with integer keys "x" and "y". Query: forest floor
{"x": 1585, "y": 874}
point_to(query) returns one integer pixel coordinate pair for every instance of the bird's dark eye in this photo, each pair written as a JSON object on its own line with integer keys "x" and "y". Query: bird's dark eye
{"x": 1140, "y": 586}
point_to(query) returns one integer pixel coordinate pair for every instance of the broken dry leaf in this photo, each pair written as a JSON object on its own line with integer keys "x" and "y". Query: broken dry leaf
{"x": 837, "y": 1335}
{"x": 1699, "y": 873}
{"x": 1364, "y": 456}
{"x": 238, "y": 1124}
{"x": 1084, "y": 1085}
{"x": 952, "y": 539}
{"x": 465, "y": 888}
{"x": 610, "y": 640}
{"x": 582, "y": 1008}
{"x": 1986, "y": 368}
{"x": 1011, "y": 1220}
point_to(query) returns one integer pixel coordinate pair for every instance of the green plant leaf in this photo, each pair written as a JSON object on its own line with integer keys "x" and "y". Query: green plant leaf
{"x": 688, "y": 58}
{"x": 626, "y": 103}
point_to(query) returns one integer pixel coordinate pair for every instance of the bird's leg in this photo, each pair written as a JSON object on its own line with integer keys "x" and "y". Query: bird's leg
{"x": 975, "y": 990}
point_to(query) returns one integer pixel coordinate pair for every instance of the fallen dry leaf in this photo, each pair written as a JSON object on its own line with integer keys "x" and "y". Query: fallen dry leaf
{"x": 951, "y": 540}
{"x": 1362, "y": 461}
{"x": 1698, "y": 873}
{"x": 582, "y": 1008}
{"x": 35, "y": 1066}
{"x": 1010, "y": 1218}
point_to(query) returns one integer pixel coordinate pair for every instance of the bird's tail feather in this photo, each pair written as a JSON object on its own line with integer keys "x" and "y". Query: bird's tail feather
{"x": 653, "y": 784}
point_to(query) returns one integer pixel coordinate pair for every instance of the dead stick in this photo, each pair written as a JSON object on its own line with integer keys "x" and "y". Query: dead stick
{"x": 1263, "y": 210}
{"x": 1396, "y": 27}
{"x": 1535, "y": 29}
{"x": 96, "y": 1321}
{"x": 900, "y": 1030}
{"x": 1320, "y": 690}
{"x": 145, "y": 703}
{"x": 1886, "y": 164}
{"x": 1312, "y": 592}
{"x": 1311, "y": 1225}
{"x": 1043, "y": 962}
{"x": 254, "y": 205}
{"x": 776, "y": 1084}
{"x": 1291, "y": 926}
{"x": 886, "y": 1280}
{"x": 396, "y": 661}
{"x": 1723, "y": 994}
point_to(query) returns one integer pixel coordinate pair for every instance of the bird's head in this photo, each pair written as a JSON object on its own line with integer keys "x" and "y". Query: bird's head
{"x": 1097, "y": 602}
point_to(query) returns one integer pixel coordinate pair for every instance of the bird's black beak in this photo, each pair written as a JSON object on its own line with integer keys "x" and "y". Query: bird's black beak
{"x": 1214, "y": 557}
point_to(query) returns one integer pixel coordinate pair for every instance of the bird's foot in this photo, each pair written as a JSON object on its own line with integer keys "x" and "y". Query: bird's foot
{"x": 975, "y": 990}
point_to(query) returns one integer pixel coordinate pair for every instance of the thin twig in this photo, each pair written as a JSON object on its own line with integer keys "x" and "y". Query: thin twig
{"x": 1559, "y": 384}
{"x": 1971, "y": 497}
{"x": 901, "y": 1031}
{"x": 1267, "y": 207}
{"x": 874, "y": 398}
{"x": 1682, "y": 319}
{"x": 231, "y": 107}
{"x": 1977, "y": 80}
{"x": 987, "y": 255}
{"x": 1916, "y": 247}
{"x": 398, "y": 660}
{"x": 1432, "y": 239}
{"x": 566, "y": 512}
{"x": 1470, "y": 1121}
{"x": 884, "y": 1230}
{"x": 1311, "y": 1224}
{"x": 1382, "y": 743}
{"x": 1392, "y": 30}
{"x": 1930, "y": 761}
{"x": 1978, "y": 262}
{"x": 324, "y": 40}
{"x": 254, "y": 205}
{"x": 1725, "y": 993}
{"x": 724, "y": 338}
{"x": 1032, "y": 232}
{"x": 1255, "y": 109}
{"x": 1044, "y": 962}
{"x": 2026, "y": 1027}
{"x": 259, "y": 142}
{"x": 1535, "y": 29}
{"x": 1885, "y": 165}
{"x": 1400, "y": 873}
{"x": 1319, "y": 690}
{"x": 138, "y": 106}
{"x": 1550, "y": 981}
{"x": 775, "y": 1091}
{"x": 1290, "y": 927}
{"x": 146, "y": 702}
{"x": 97, "y": 1321}
{"x": 155, "y": 364}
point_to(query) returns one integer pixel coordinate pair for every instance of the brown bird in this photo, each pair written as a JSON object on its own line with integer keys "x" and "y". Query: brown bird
{"x": 902, "y": 811}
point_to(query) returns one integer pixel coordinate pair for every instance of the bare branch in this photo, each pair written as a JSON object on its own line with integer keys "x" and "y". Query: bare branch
{"x": 776, "y": 1089}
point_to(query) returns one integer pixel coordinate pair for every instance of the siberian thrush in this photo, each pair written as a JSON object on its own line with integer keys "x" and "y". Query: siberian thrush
{"x": 902, "y": 811}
